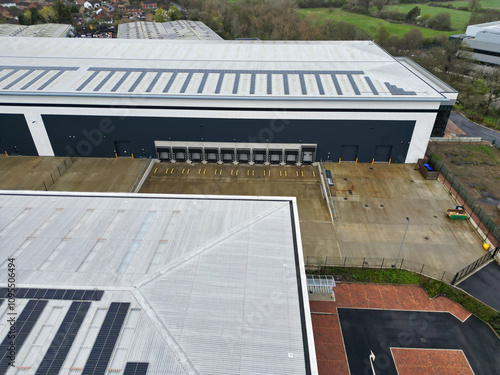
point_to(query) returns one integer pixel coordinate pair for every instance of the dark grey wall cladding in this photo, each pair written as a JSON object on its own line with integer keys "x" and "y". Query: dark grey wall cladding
{"x": 96, "y": 135}
{"x": 441, "y": 121}
{"x": 15, "y": 136}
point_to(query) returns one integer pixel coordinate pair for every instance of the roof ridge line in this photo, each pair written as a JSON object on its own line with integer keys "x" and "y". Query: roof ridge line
{"x": 170, "y": 267}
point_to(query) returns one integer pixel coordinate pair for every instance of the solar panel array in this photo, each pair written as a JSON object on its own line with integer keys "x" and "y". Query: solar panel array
{"x": 43, "y": 70}
{"x": 59, "y": 348}
{"x": 62, "y": 294}
{"x": 222, "y": 74}
{"x": 102, "y": 350}
{"x": 24, "y": 325}
{"x": 136, "y": 368}
{"x": 191, "y": 81}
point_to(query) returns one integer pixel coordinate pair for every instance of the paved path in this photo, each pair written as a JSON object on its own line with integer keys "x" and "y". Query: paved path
{"x": 473, "y": 130}
{"x": 365, "y": 331}
{"x": 402, "y": 305}
{"x": 485, "y": 285}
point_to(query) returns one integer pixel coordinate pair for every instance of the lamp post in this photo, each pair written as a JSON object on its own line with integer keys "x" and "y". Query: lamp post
{"x": 402, "y": 242}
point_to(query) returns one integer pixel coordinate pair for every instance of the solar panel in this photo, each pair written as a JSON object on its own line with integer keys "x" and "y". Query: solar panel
{"x": 24, "y": 325}
{"x": 337, "y": 85}
{"x": 136, "y": 368}
{"x": 61, "y": 344}
{"x": 353, "y": 84}
{"x": 104, "y": 344}
{"x": 372, "y": 86}
{"x": 119, "y": 83}
{"x": 64, "y": 294}
{"x": 35, "y": 79}
{"x": 170, "y": 82}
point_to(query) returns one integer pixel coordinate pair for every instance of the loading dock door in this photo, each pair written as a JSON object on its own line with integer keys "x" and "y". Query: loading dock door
{"x": 349, "y": 153}
{"x": 382, "y": 153}
{"x": 123, "y": 148}
{"x": 308, "y": 155}
{"x": 179, "y": 154}
{"x": 212, "y": 155}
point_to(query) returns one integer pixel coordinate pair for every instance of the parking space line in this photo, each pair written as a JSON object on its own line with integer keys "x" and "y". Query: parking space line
{"x": 215, "y": 172}
{"x": 199, "y": 171}
{"x": 314, "y": 174}
{"x": 204, "y": 171}
{"x": 253, "y": 172}
{"x": 172, "y": 171}
{"x": 188, "y": 171}
{"x": 237, "y": 172}
{"x": 302, "y": 173}
{"x": 156, "y": 170}
{"x": 220, "y": 172}
{"x": 183, "y": 169}
{"x": 248, "y": 172}
{"x": 167, "y": 170}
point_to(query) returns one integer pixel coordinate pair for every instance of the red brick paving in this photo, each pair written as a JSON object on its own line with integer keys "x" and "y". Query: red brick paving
{"x": 430, "y": 362}
{"x": 394, "y": 297}
{"x": 330, "y": 350}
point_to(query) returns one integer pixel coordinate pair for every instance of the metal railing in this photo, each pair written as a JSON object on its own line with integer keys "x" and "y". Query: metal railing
{"x": 457, "y": 140}
{"x": 474, "y": 265}
{"x": 137, "y": 185}
{"x": 58, "y": 171}
{"x": 485, "y": 224}
{"x": 380, "y": 263}
{"x": 327, "y": 193}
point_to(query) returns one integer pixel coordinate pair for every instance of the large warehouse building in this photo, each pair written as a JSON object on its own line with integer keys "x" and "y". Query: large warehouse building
{"x": 217, "y": 101}
{"x": 483, "y": 42}
{"x": 153, "y": 284}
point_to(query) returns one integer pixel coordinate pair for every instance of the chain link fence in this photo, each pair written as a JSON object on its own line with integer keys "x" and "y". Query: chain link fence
{"x": 481, "y": 219}
{"x": 56, "y": 173}
{"x": 380, "y": 263}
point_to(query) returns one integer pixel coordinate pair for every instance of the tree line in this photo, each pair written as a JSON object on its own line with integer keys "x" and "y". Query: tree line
{"x": 57, "y": 13}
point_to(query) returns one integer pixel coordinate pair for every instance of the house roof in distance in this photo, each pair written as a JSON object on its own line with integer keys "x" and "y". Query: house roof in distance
{"x": 182, "y": 29}
{"x": 214, "y": 69}
{"x": 170, "y": 284}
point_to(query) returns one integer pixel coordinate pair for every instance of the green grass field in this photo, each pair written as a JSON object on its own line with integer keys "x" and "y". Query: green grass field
{"x": 369, "y": 24}
{"x": 459, "y": 18}
{"x": 495, "y": 4}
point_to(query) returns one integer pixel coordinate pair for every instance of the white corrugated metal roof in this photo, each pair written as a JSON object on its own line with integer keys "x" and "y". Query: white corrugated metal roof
{"x": 211, "y": 281}
{"x": 44, "y": 30}
{"x": 182, "y": 29}
{"x": 336, "y": 70}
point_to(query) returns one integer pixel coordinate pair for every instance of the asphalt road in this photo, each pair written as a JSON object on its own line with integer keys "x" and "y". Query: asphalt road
{"x": 365, "y": 331}
{"x": 485, "y": 285}
{"x": 474, "y": 130}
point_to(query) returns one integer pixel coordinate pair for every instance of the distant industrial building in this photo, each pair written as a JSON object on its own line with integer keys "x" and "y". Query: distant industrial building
{"x": 153, "y": 284}
{"x": 189, "y": 30}
{"x": 217, "y": 101}
{"x": 484, "y": 42}
{"x": 44, "y": 30}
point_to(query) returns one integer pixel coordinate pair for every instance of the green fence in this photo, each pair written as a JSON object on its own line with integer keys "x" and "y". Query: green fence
{"x": 483, "y": 221}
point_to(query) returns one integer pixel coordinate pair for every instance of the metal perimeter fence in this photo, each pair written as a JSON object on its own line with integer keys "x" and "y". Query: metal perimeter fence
{"x": 474, "y": 265}
{"x": 481, "y": 219}
{"x": 456, "y": 140}
{"x": 379, "y": 263}
{"x": 56, "y": 173}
